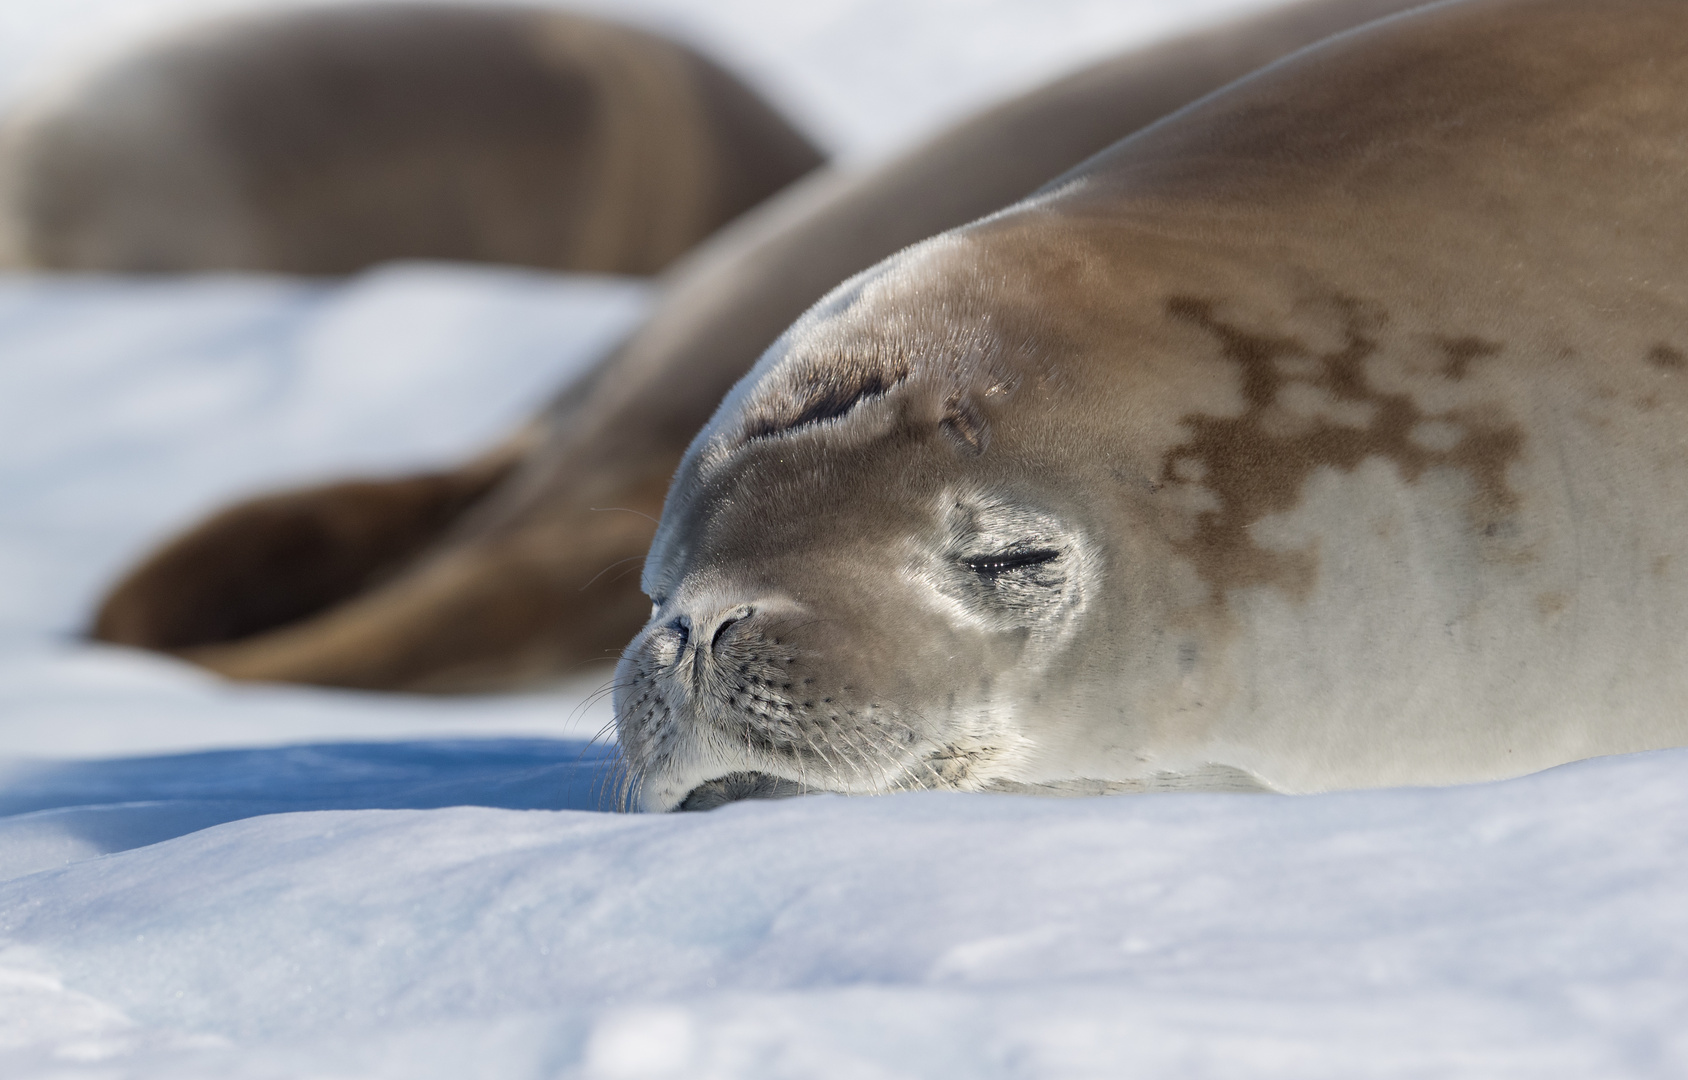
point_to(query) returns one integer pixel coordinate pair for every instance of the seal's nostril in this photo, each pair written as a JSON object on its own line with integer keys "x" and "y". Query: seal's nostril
{"x": 736, "y": 615}
{"x": 683, "y": 627}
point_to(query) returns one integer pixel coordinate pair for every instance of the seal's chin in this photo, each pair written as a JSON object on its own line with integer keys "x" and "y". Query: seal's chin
{"x": 738, "y": 786}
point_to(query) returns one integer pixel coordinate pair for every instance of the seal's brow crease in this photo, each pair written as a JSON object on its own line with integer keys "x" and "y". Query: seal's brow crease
{"x": 826, "y": 388}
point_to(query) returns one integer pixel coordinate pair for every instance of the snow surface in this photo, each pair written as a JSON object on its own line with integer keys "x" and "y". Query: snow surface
{"x": 1528, "y": 929}
{"x": 206, "y": 880}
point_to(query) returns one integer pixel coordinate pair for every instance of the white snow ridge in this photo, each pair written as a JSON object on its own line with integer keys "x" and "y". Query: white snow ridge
{"x": 200, "y": 880}
{"x": 1532, "y": 929}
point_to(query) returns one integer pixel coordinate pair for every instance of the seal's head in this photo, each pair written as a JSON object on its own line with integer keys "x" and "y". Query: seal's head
{"x": 876, "y": 562}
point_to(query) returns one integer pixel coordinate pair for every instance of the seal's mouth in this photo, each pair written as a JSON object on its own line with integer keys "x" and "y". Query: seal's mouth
{"x": 738, "y": 786}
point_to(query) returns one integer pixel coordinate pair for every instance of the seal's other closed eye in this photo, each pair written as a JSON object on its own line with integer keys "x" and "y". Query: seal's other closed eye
{"x": 820, "y": 391}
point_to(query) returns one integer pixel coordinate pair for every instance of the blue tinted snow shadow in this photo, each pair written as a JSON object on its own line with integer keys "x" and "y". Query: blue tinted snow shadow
{"x": 513, "y": 774}
{"x": 56, "y": 812}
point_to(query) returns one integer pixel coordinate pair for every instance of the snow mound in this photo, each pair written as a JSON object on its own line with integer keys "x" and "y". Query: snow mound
{"x": 1530, "y": 928}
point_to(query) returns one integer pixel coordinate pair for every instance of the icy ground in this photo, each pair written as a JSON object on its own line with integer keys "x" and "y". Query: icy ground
{"x": 201, "y": 880}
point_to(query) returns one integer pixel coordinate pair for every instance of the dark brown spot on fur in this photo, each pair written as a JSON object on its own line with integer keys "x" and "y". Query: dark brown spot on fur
{"x": 966, "y": 424}
{"x": 1461, "y": 351}
{"x": 1665, "y": 356}
{"x": 1255, "y": 469}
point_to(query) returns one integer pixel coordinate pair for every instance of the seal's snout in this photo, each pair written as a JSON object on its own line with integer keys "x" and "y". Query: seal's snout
{"x": 741, "y": 697}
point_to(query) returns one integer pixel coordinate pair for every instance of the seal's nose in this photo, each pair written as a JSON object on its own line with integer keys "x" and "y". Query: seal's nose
{"x": 716, "y": 627}
{"x": 705, "y": 635}
{"x": 695, "y": 637}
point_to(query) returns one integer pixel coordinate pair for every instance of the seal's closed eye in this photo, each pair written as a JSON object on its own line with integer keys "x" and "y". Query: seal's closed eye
{"x": 990, "y": 566}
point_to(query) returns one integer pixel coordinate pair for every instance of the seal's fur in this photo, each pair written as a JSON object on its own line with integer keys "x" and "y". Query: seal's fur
{"x": 319, "y": 141}
{"x": 1326, "y": 434}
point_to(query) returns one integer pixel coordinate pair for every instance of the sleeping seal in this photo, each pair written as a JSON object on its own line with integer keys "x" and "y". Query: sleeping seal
{"x": 323, "y": 140}
{"x": 1331, "y": 433}
{"x": 521, "y": 564}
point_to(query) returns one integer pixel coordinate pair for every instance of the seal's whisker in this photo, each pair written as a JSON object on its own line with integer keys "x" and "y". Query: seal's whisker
{"x": 853, "y": 755}
{"x": 819, "y": 749}
{"x": 607, "y": 569}
{"x": 624, "y": 510}
{"x": 870, "y": 756}
{"x": 598, "y": 695}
